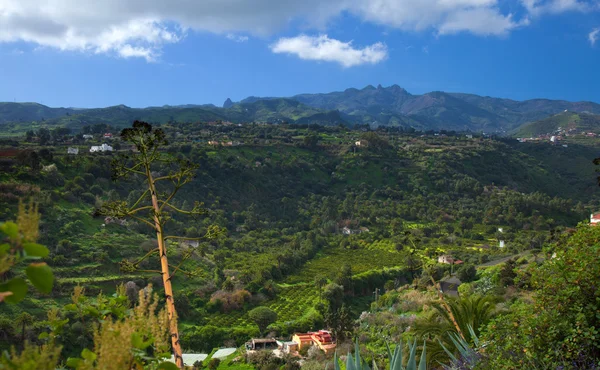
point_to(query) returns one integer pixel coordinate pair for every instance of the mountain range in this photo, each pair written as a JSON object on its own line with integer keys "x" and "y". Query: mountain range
{"x": 376, "y": 106}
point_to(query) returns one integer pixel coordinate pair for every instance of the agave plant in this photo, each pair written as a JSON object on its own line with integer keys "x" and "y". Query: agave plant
{"x": 468, "y": 356}
{"x": 357, "y": 363}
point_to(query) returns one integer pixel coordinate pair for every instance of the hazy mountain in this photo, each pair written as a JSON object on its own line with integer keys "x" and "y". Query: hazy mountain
{"x": 386, "y": 106}
{"x": 25, "y": 112}
{"x": 394, "y": 106}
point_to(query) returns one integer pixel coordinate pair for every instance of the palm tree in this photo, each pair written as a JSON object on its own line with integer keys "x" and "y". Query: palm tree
{"x": 474, "y": 311}
{"x": 22, "y": 321}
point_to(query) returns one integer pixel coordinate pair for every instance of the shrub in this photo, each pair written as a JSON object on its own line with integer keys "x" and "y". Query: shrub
{"x": 214, "y": 363}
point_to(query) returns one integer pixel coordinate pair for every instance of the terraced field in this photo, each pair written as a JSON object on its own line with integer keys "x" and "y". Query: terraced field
{"x": 292, "y": 302}
{"x": 374, "y": 256}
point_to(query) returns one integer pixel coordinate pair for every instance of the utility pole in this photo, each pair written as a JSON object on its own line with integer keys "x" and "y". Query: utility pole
{"x": 376, "y": 293}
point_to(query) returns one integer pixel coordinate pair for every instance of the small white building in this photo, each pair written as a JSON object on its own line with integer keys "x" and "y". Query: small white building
{"x": 87, "y": 137}
{"x": 73, "y": 151}
{"x": 101, "y": 148}
{"x": 501, "y": 244}
{"x": 469, "y": 136}
{"x": 595, "y": 218}
{"x": 553, "y": 139}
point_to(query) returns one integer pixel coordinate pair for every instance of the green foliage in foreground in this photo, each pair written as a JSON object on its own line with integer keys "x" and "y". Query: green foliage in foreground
{"x": 18, "y": 244}
{"x": 561, "y": 327}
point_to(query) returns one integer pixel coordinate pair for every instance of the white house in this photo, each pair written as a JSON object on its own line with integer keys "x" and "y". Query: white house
{"x": 73, "y": 151}
{"x": 469, "y": 136}
{"x": 86, "y": 137}
{"x": 553, "y": 139}
{"x": 595, "y": 218}
{"x": 448, "y": 259}
{"x": 101, "y": 148}
{"x": 501, "y": 244}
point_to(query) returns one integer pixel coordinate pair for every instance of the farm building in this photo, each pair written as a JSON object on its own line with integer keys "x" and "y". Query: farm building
{"x": 448, "y": 259}
{"x": 73, "y": 151}
{"x": 257, "y": 344}
{"x": 101, "y": 148}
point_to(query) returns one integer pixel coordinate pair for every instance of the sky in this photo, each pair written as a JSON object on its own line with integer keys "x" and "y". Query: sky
{"x": 90, "y": 53}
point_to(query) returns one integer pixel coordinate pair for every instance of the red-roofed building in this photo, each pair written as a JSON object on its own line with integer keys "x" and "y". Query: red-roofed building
{"x": 108, "y": 135}
{"x": 322, "y": 339}
{"x": 448, "y": 259}
{"x": 595, "y": 219}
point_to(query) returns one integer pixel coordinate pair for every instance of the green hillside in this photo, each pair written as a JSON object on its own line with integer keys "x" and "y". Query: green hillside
{"x": 284, "y": 202}
{"x": 576, "y": 122}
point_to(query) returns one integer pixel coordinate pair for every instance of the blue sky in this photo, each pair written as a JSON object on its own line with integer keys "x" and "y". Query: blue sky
{"x": 155, "y": 52}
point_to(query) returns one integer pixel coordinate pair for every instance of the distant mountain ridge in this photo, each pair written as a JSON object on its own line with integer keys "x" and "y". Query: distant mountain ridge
{"x": 394, "y": 106}
{"x": 376, "y": 106}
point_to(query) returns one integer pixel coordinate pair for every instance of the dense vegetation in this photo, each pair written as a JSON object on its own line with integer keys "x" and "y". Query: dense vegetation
{"x": 316, "y": 223}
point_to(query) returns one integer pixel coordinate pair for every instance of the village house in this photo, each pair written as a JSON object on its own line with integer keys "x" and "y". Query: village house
{"x": 73, "y": 151}
{"x": 101, "y": 148}
{"x": 448, "y": 259}
{"x": 450, "y": 286}
{"x": 595, "y": 218}
{"x": 361, "y": 143}
{"x": 258, "y": 344}
{"x": 287, "y": 346}
{"x": 469, "y": 136}
{"x": 108, "y": 135}
{"x": 87, "y": 137}
{"x": 348, "y": 231}
{"x": 322, "y": 339}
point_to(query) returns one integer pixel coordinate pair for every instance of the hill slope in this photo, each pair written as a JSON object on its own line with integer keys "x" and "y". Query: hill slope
{"x": 565, "y": 120}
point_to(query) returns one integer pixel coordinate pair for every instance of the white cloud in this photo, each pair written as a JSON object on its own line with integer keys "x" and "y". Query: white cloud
{"x": 481, "y": 17}
{"x": 594, "y": 36}
{"x": 323, "y": 48}
{"x": 538, "y": 7}
{"x": 236, "y": 38}
{"x": 140, "y": 28}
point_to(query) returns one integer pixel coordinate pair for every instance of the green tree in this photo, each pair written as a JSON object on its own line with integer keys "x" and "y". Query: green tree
{"x": 320, "y": 282}
{"x": 344, "y": 277}
{"x": 44, "y": 135}
{"x": 23, "y": 321}
{"x": 467, "y": 273}
{"x": 560, "y": 329}
{"x": 262, "y": 317}
{"x": 311, "y": 140}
